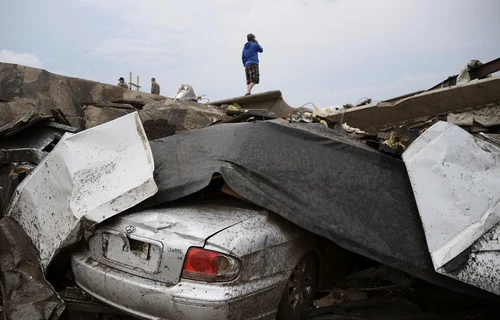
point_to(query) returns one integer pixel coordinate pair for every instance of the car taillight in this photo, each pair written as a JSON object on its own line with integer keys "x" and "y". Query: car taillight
{"x": 206, "y": 265}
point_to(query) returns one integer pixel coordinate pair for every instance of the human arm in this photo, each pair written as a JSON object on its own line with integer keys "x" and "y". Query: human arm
{"x": 259, "y": 47}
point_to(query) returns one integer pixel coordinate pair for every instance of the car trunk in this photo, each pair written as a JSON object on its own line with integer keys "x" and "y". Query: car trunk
{"x": 153, "y": 243}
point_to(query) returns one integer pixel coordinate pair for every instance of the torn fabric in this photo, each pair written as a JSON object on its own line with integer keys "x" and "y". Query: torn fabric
{"x": 456, "y": 182}
{"x": 91, "y": 175}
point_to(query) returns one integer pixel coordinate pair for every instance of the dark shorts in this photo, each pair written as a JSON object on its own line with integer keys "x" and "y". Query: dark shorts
{"x": 252, "y": 73}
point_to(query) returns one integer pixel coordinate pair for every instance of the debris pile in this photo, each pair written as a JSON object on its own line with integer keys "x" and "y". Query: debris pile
{"x": 38, "y": 107}
{"x": 29, "y": 95}
{"x": 65, "y": 144}
{"x": 23, "y": 145}
{"x": 393, "y": 126}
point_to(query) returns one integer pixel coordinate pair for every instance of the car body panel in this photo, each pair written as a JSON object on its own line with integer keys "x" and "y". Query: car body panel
{"x": 151, "y": 299}
{"x": 266, "y": 244}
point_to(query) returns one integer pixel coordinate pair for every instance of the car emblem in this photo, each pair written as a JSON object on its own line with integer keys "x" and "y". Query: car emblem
{"x": 129, "y": 229}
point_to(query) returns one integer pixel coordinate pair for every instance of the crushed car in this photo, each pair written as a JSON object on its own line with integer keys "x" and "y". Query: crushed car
{"x": 206, "y": 260}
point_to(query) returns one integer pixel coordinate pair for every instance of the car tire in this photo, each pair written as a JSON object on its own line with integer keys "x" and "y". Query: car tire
{"x": 300, "y": 289}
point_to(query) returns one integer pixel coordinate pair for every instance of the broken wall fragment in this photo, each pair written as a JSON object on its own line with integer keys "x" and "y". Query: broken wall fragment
{"x": 184, "y": 115}
{"x": 421, "y": 107}
{"x": 65, "y": 93}
{"x": 272, "y": 101}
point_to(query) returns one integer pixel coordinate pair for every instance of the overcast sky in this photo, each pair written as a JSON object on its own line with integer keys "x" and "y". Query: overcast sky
{"x": 329, "y": 52}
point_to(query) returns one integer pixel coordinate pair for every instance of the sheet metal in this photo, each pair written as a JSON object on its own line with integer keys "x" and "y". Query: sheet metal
{"x": 456, "y": 182}
{"x": 91, "y": 175}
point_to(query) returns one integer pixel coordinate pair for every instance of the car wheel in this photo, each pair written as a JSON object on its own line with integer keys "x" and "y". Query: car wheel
{"x": 300, "y": 289}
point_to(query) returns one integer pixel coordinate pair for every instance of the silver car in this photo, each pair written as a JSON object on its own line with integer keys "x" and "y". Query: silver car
{"x": 201, "y": 261}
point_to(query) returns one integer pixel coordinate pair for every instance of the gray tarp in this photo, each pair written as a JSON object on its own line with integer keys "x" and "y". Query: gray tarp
{"x": 313, "y": 176}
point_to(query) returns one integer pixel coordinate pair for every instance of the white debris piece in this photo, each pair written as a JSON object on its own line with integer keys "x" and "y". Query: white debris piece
{"x": 349, "y": 129}
{"x": 464, "y": 75}
{"x": 186, "y": 92}
{"x": 94, "y": 174}
{"x": 456, "y": 182}
{"x": 327, "y": 111}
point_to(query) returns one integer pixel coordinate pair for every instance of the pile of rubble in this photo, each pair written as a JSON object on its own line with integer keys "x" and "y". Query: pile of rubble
{"x": 58, "y": 122}
{"x": 395, "y": 125}
{"x": 392, "y": 125}
{"x": 38, "y": 107}
{"x": 29, "y": 95}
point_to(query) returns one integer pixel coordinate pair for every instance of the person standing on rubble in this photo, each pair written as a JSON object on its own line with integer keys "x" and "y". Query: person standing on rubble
{"x": 122, "y": 83}
{"x": 155, "y": 87}
{"x": 250, "y": 59}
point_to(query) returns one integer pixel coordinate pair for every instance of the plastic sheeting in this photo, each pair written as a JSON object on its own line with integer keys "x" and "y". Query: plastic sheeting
{"x": 317, "y": 178}
{"x": 92, "y": 175}
{"x": 456, "y": 181}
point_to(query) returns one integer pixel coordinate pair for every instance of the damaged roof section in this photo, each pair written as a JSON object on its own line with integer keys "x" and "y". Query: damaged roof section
{"x": 423, "y": 107}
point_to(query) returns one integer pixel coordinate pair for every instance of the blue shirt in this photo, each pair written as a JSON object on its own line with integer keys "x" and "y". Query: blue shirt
{"x": 249, "y": 55}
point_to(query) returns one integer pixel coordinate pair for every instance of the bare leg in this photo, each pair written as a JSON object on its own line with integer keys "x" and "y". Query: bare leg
{"x": 249, "y": 87}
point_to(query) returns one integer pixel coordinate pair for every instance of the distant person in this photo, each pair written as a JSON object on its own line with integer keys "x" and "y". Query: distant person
{"x": 155, "y": 87}
{"x": 250, "y": 59}
{"x": 122, "y": 83}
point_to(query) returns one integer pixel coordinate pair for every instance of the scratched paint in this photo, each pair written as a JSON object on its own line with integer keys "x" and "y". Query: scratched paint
{"x": 92, "y": 175}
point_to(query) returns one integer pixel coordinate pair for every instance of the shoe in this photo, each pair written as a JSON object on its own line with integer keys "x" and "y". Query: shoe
{"x": 247, "y": 94}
